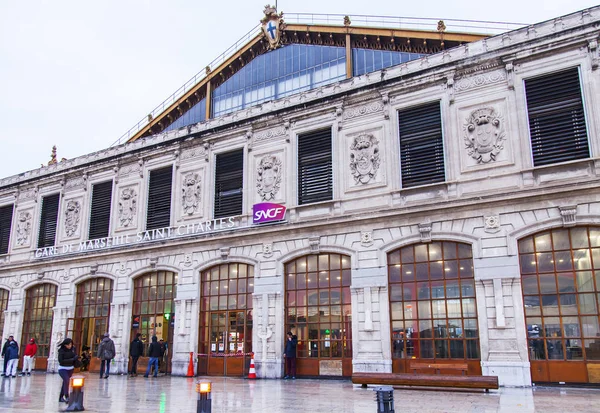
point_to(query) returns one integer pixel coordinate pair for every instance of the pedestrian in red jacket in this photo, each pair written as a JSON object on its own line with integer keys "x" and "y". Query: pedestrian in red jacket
{"x": 30, "y": 350}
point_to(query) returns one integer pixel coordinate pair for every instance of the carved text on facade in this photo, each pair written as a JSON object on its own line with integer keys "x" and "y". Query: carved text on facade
{"x": 72, "y": 217}
{"x": 190, "y": 197}
{"x": 364, "y": 158}
{"x": 127, "y": 206}
{"x": 484, "y": 135}
{"x": 268, "y": 177}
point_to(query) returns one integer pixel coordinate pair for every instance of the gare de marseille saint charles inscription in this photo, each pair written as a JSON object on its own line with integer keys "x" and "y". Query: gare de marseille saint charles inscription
{"x": 264, "y": 212}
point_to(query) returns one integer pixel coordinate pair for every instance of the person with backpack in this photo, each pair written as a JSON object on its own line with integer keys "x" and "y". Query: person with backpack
{"x": 106, "y": 352}
{"x": 136, "y": 350}
{"x": 12, "y": 355}
{"x": 154, "y": 352}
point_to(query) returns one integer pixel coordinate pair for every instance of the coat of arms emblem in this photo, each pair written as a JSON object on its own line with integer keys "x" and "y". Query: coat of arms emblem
{"x": 23, "y": 228}
{"x": 364, "y": 158}
{"x": 484, "y": 135}
{"x": 272, "y": 26}
{"x": 72, "y": 217}
{"x": 190, "y": 197}
{"x": 127, "y": 206}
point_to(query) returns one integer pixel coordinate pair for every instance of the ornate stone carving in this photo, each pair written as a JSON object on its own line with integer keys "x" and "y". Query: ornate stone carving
{"x": 364, "y": 158}
{"x": 72, "y": 217}
{"x": 569, "y": 215}
{"x": 366, "y": 238}
{"x": 492, "y": 224}
{"x": 191, "y": 193}
{"x": 268, "y": 177}
{"x": 363, "y": 110}
{"x": 23, "y": 228}
{"x": 484, "y": 135}
{"x": 270, "y": 134}
{"x": 476, "y": 81}
{"x": 273, "y": 26}
{"x": 198, "y": 151}
{"x": 267, "y": 250}
{"x": 425, "y": 230}
{"x": 127, "y": 206}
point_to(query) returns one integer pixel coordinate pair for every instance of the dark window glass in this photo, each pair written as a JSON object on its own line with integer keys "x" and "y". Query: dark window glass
{"x": 368, "y": 60}
{"x": 47, "y": 235}
{"x": 195, "y": 114}
{"x": 229, "y": 184}
{"x": 421, "y": 145}
{"x": 436, "y": 316}
{"x": 315, "y": 174}
{"x": 556, "y": 118}
{"x": 279, "y": 73}
{"x": 100, "y": 210}
{"x": 38, "y": 315}
{"x": 6, "y": 215}
{"x": 159, "y": 198}
{"x": 561, "y": 292}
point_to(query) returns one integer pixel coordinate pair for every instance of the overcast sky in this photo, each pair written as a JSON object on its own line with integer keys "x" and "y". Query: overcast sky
{"x": 78, "y": 74}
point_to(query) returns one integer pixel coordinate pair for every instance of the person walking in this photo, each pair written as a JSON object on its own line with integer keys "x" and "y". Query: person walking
{"x": 136, "y": 350}
{"x": 106, "y": 352}
{"x": 4, "y": 348}
{"x": 12, "y": 354}
{"x": 154, "y": 352}
{"x": 290, "y": 355}
{"x": 28, "y": 357}
{"x": 66, "y": 363}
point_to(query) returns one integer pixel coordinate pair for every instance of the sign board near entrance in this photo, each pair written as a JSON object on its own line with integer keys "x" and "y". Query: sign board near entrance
{"x": 267, "y": 212}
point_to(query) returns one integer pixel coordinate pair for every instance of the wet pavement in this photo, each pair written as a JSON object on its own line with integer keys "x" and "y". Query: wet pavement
{"x": 39, "y": 393}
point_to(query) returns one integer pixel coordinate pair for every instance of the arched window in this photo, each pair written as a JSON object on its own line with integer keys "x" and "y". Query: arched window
{"x": 37, "y": 320}
{"x": 319, "y": 312}
{"x": 560, "y": 273}
{"x": 3, "y": 305}
{"x": 225, "y": 336}
{"x": 433, "y": 311}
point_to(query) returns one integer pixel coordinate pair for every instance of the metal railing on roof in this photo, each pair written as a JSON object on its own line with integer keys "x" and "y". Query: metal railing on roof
{"x": 398, "y": 23}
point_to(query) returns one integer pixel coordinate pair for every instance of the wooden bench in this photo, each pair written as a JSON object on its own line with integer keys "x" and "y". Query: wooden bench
{"x": 429, "y": 380}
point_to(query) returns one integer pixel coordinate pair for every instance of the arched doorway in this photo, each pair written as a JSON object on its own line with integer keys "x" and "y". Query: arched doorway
{"x": 3, "y": 306}
{"x": 92, "y": 312}
{"x": 225, "y": 328}
{"x": 560, "y": 273}
{"x": 37, "y": 320}
{"x": 433, "y": 311}
{"x": 154, "y": 313}
{"x": 319, "y": 312}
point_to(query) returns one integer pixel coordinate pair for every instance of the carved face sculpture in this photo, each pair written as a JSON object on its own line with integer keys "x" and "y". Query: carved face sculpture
{"x": 23, "y": 227}
{"x": 72, "y": 217}
{"x": 268, "y": 177}
{"x": 484, "y": 139}
{"x": 190, "y": 199}
{"x": 127, "y": 206}
{"x": 364, "y": 158}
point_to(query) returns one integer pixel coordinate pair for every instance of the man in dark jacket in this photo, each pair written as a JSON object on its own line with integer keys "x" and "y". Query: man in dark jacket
{"x": 154, "y": 352}
{"x": 12, "y": 354}
{"x": 290, "y": 355}
{"x": 106, "y": 352}
{"x": 136, "y": 350}
{"x": 4, "y": 348}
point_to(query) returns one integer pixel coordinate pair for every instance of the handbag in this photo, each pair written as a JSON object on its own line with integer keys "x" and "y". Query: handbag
{"x": 77, "y": 363}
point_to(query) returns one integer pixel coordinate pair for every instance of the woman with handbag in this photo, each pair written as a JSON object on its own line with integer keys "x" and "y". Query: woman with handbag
{"x": 67, "y": 361}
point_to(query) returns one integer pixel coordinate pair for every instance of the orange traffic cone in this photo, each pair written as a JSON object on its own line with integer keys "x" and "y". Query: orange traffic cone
{"x": 190, "y": 372}
{"x": 252, "y": 372}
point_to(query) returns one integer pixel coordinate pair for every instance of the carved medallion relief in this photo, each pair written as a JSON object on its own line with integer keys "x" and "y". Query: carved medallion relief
{"x": 484, "y": 135}
{"x": 127, "y": 206}
{"x": 268, "y": 177}
{"x": 364, "y": 158}
{"x": 72, "y": 215}
{"x": 191, "y": 193}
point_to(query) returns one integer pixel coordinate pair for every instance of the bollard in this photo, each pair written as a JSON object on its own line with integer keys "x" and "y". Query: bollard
{"x": 385, "y": 399}
{"x": 75, "y": 403}
{"x": 203, "y": 389}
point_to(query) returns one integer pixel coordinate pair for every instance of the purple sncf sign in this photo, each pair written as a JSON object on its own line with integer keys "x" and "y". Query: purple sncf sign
{"x": 267, "y": 212}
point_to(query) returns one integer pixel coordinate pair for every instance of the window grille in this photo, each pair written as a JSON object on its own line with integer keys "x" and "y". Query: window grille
{"x": 229, "y": 184}
{"x": 47, "y": 235}
{"x": 159, "y": 198}
{"x": 6, "y": 215}
{"x": 100, "y": 210}
{"x": 315, "y": 173}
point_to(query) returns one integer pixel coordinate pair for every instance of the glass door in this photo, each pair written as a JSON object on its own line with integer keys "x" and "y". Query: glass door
{"x": 228, "y": 339}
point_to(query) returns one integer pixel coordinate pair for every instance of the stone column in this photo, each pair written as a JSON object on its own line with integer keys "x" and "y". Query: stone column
{"x": 185, "y": 333}
{"x": 59, "y": 329}
{"x": 370, "y": 321}
{"x": 501, "y": 320}
{"x": 268, "y": 334}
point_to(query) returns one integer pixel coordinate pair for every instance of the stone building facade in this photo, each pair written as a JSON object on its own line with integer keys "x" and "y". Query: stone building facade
{"x": 492, "y": 197}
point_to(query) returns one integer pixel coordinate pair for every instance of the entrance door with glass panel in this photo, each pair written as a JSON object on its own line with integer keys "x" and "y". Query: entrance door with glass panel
{"x": 228, "y": 336}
